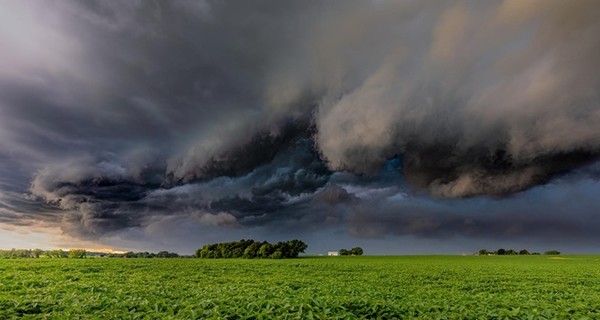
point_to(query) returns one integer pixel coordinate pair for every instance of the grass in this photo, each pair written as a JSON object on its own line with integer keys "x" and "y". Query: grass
{"x": 430, "y": 287}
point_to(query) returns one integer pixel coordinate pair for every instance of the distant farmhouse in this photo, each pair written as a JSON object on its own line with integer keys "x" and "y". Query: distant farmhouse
{"x": 332, "y": 253}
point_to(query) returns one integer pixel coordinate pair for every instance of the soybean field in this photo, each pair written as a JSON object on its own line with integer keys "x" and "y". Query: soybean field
{"x": 398, "y": 287}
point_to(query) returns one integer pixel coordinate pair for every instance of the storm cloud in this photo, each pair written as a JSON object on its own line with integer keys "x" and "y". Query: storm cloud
{"x": 434, "y": 119}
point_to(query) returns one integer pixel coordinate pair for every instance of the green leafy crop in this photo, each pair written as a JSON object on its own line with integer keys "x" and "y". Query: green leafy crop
{"x": 427, "y": 287}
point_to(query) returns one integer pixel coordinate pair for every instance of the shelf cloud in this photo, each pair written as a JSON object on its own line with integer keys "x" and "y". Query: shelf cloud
{"x": 434, "y": 119}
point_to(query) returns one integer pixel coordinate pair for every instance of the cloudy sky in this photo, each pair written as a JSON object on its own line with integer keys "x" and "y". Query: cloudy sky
{"x": 399, "y": 126}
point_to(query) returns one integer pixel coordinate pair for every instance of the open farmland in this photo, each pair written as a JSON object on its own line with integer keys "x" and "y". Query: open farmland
{"x": 443, "y": 287}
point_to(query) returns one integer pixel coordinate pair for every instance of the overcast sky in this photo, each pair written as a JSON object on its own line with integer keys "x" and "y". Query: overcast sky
{"x": 398, "y": 126}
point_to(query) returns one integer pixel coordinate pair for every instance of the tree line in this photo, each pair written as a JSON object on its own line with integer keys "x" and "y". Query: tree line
{"x": 131, "y": 254}
{"x": 502, "y": 252}
{"x": 82, "y": 253}
{"x": 251, "y": 249}
{"x": 357, "y": 251}
{"x": 39, "y": 253}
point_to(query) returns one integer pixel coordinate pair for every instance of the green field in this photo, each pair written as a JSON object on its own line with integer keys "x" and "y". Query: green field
{"x": 431, "y": 287}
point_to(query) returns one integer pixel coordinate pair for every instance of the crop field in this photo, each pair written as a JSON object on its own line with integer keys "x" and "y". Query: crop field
{"x": 430, "y": 287}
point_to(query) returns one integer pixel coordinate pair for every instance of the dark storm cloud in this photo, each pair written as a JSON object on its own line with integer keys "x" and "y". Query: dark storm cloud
{"x": 559, "y": 213}
{"x": 105, "y": 197}
{"x": 484, "y": 99}
{"x": 120, "y": 116}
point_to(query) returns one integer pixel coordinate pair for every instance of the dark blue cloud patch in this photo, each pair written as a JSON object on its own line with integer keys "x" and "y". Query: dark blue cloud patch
{"x": 564, "y": 212}
{"x": 296, "y": 172}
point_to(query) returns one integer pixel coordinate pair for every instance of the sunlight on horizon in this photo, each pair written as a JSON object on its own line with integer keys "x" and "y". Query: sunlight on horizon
{"x": 12, "y": 237}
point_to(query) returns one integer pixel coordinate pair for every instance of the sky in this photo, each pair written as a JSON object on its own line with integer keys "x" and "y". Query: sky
{"x": 403, "y": 127}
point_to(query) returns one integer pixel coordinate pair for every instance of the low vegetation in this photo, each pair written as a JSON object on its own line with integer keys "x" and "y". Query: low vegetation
{"x": 367, "y": 287}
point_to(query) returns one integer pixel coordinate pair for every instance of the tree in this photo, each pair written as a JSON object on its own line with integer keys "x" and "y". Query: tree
{"x": 524, "y": 252}
{"x": 252, "y": 251}
{"x": 37, "y": 253}
{"x": 21, "y": 253}
{"x": 166, "y": 254}
{"x": 357, "y": 251}
{"x": 483, "y": 252}
{"x": 58, "y": 254}
{"x": 296, "y": 247}
{"x": 552, "y": 252}
{"x": 202, "y": 252}
{"x": 501, "y": 252}
{"x": 277, "y": 254}
{"x": 265, "y": 250}
{"x": 207, "y": 251}
{"x": 77, "y": 253}
{"x": 344, "y": 252}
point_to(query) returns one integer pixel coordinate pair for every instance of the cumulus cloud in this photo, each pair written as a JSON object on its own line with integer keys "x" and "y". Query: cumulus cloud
{"x": 116, "y": 117}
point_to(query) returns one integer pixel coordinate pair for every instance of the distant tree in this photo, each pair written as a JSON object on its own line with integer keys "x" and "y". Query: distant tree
{"x": 201, "y": 252}
{"x": 58, "y": 254}
{"x": 251, "y": 251}
{"x": 276, "y": 255}
{"x": 511, "y": 252}
{"x": 239, "y": 248}
{"x": 356, "y": 251}
{"x": 483, "y": 252}
{"x": 207, "y": 251}
{"x": 21, "y": 253}
{"x": 297, "y": 247}
{"x": 552, "y": 252}
{"x": 501, "y": 252}
{"x": 77, "y": 253}
{"x": 36, "y": 253}
{"x": 344, "y": 252}
{"x": 265, "y": 250}
{"x": 214, "y": 251}
{"x": 523, "y": 252}
{"x": 166, "y": 254}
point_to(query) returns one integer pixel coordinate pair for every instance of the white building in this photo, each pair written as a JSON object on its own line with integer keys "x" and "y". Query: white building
{"x": 332, "y": 253}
